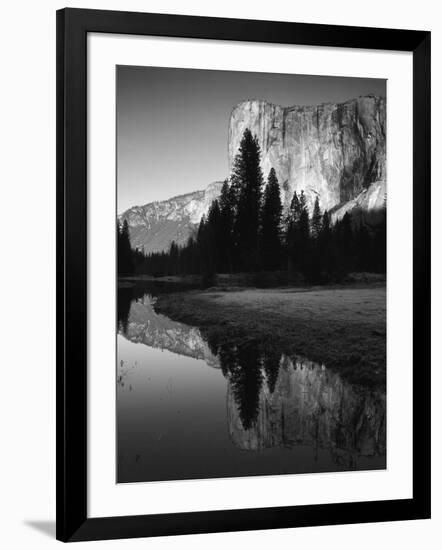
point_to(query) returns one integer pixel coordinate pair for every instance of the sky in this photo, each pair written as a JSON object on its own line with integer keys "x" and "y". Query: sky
{"x": 172, "y": 124}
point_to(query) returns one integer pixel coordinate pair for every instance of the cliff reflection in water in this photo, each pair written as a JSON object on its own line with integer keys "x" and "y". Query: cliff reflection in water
{"x": 309, "y": 405}
{"x": 139, "y": 323}
{"x": 273, "y": 400}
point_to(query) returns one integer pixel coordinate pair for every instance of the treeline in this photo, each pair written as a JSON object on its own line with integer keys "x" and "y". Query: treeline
{"x": 245, "y": 231}
{"x": 128, "y": 259}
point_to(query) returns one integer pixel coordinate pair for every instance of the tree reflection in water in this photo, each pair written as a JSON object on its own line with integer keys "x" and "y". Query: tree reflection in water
{"x": 273, "y": 400}
{"x": 125, "y": 297}
{"x": 307, "y": 405}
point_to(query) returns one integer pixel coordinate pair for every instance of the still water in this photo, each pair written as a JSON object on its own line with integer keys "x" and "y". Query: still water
{"x": 188, "y": 411}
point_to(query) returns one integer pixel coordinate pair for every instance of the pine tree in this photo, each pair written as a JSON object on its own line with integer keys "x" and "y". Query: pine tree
{"x": 347, "y": 238}
{"x": 173, "y": 258}
{"x": 292, "y": 238}
{"x": 316, "y": 220}
{"x": 271, "y": 362}
{"x": 201, "y": 227}
{"x": 325, "y": 229}
{"x": 214, "y": 237}
{"x": 227, "y": 217}
{"x": 295, "y": 208}
{"x": 247, "y": 182}
{"x": 292, "y": 216}
{"x": 302, "y": 201}
{"x": 125, "y": 259}
{"x": 303, "y": 244}
{"x": 344, "y": 245}
{"x": 246, "y": 379}
{"x": 271, "y": 222}
{"x": 201, "y": 243}
{"x": 304, "y": 224}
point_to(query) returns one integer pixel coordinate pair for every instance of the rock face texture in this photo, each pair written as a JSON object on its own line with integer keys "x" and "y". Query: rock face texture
{"x": 367, "y": 205}
{"x": 313, "y": 406}
{"x": 333, "y": 151}
{"x": 155, "y": 225}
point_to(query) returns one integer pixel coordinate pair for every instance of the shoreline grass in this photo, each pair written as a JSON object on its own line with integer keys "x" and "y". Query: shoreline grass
{"x": 343, "y": 328}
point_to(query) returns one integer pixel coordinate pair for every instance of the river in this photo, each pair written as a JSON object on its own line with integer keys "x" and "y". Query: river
{"x": 187, "y": 411}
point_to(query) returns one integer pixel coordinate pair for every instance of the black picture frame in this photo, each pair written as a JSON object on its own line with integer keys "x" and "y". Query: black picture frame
{"x": 73, "y": 25}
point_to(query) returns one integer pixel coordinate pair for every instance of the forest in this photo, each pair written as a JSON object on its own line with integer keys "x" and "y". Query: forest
{"x": 246, "y": 230}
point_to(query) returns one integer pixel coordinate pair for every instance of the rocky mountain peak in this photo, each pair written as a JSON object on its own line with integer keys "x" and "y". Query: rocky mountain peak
{"x": 333, "y": 150}
{"x": 155, "y": 225}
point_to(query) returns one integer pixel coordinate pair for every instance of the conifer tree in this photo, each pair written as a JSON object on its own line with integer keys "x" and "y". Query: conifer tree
{"x": 347, "y": 238}
{"x": 173, "y": 258}
{"x": 246, "y": 379}
{"x": 202, "y": 243}
{"x": 295, "y": 208}
{"x": 227, "y": 217}
{"x": 344, "y": 245}
{"x": 302, "y": 201}
{"x": 201, "y": 227}
{"x": 271, "y": 222}
{"x": 292, "y": 216}
{"x": 271, "y": 361}
{"x": 125, "y": 258}
{"x": 214, "y": 237}
{"x": 247, "y": 182}
{"x": 316, "y": 219}
{"x": 325, "y": 229}
{"x": 292, "y": 223}
{"x": 303, "y": 249}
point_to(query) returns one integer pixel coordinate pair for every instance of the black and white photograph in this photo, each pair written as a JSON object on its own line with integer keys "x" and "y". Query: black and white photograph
{"x": 213, "y": 334}
{"x": 251, "y": 260}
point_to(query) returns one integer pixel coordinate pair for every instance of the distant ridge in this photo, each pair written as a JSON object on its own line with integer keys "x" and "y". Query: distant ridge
{"x": 155, "y": 225}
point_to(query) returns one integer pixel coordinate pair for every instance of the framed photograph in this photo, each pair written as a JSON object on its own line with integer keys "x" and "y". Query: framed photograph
{"x": 243, "y": 333}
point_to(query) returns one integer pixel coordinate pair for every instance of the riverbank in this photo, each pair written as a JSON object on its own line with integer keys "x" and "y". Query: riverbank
{"x": 342, "y": 327}
{"x": 262, "y": 279}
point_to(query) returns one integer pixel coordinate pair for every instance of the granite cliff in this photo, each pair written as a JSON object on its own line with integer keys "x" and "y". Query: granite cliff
{"x": 334, "y": 151}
